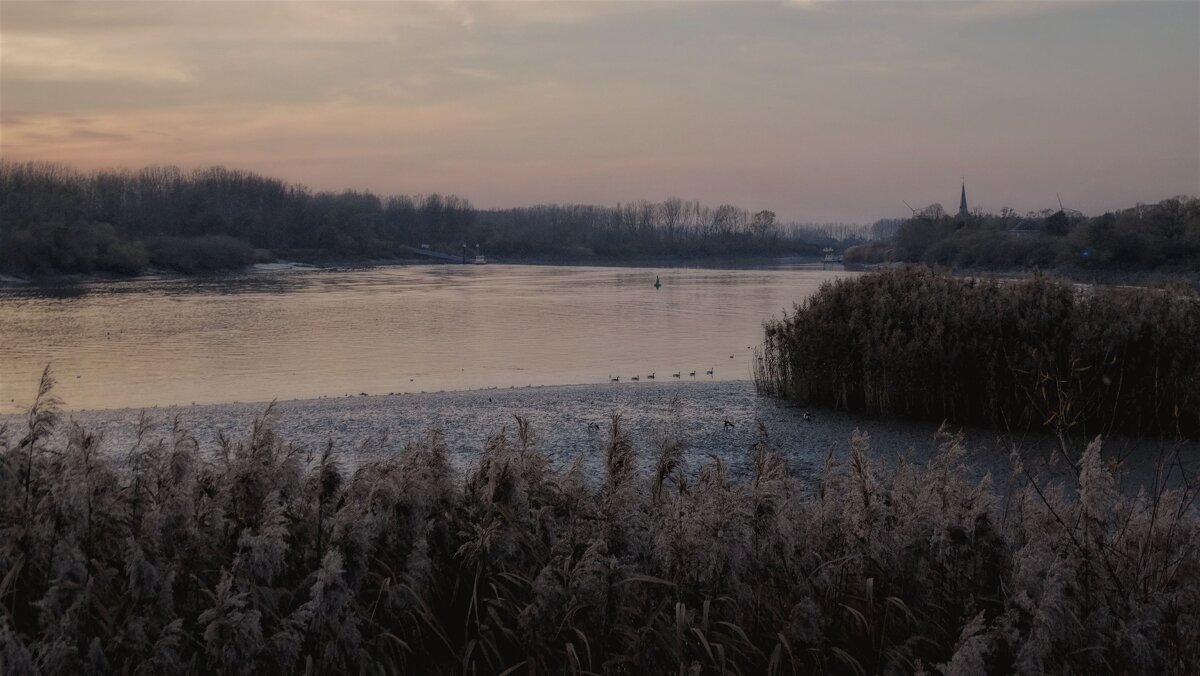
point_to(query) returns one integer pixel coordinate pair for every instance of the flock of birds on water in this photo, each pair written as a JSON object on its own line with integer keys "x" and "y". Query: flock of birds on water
{"x": 677, "y": 374}
{"x": 652, "y": 376}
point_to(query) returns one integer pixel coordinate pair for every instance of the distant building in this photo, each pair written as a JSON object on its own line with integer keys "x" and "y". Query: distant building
{"x": 962, "y": 202}
{"x": 1026, "y": 227}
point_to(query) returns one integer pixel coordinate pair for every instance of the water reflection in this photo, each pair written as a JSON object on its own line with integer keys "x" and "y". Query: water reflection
{"x": 317, "y": 333}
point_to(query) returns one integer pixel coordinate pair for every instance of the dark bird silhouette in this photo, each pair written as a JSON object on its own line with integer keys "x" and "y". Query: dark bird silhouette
{"x": 709, "y": 372}
{"x": 651, "y": 376}
{"x": 593, "y": 427}
{"x": 635, "y": 378}
{"x": 692, "y": 374}
{"x": 674, "y": 375}
{"x": 808, "y": 416}
{"x": 615, "y": 379}
{"x": 729, "y": 425}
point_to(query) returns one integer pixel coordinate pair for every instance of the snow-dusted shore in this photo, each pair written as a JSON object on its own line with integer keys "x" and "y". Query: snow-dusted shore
{"x": 561, "y": 417}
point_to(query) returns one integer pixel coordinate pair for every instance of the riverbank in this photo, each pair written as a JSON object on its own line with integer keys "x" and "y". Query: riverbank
{"x": 1090, "y": 277}
{"x": 1131, "y": 278}
{"x": 571, "y": 423}
{"x": 302, "y": 263}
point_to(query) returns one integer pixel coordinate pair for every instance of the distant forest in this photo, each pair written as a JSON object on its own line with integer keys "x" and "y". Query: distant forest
{"x": 1163, "y": 237}
{"x": 57, "y": 220}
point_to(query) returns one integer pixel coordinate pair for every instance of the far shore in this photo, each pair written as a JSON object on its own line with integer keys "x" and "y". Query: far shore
{"x": 334, "y": 263}
{"x": 1141, "y": 278}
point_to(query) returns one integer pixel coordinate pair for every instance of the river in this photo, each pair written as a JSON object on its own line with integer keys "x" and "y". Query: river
{"x": 423, "y": 328}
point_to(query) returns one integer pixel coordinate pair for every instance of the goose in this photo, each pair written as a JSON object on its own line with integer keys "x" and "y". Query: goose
{"x": 808, "y": 416}
{"x": 709, "y": 372}
{"x": 651, "y": 376}
{"x": 675, "y": 375}
{"x": 635, "y": 378}
{"x": 692, "y": 374}
{"x": 614, "y": 379}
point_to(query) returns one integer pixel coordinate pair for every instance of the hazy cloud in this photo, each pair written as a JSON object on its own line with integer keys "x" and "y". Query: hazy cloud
{"x": 832, "y": 110}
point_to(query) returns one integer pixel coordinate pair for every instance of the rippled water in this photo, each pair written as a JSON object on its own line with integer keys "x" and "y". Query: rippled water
{"x": 286, "y": 335}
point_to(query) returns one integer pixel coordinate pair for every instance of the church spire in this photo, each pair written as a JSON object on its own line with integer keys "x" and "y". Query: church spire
{"x": 962, "y": 203}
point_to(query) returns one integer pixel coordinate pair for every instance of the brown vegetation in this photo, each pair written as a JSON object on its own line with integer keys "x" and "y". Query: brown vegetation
{"x": 269, "y": 559}
{"x": 1037, "y": 352}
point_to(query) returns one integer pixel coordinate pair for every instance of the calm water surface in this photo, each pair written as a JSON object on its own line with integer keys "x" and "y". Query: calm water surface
{"x": 256, "y": 337}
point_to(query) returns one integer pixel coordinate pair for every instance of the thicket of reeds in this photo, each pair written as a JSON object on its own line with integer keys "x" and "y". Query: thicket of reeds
{"x": 265, "y": 558}
{"x": 1011, "y": 354}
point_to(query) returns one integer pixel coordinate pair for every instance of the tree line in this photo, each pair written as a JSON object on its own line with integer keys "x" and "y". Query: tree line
{"x": 1163, "y": 236}
{"x": 54, "y": 219}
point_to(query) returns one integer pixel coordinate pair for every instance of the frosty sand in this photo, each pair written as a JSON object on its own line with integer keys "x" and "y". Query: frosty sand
{"x": 572, "y": 421}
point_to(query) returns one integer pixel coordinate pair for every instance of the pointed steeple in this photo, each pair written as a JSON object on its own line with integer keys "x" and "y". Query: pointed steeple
{"x": 962, "y": 203}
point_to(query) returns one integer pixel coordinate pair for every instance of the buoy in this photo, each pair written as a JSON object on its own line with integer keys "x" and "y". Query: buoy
{"x": 657, "y": 282}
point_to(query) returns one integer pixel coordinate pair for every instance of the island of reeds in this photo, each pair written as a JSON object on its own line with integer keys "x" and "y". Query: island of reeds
{"x": 265, "y": 558}
{"x": 1037, "y": 352}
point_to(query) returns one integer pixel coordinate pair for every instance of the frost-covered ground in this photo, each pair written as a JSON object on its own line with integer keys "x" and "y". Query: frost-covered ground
{"x": 566, "y": 418}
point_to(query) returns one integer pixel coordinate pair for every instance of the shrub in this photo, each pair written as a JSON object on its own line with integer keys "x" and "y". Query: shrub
{"x": 200, "y": 254}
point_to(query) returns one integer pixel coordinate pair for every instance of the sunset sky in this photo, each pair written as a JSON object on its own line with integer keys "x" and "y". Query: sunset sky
{"x": 818, "y": 110}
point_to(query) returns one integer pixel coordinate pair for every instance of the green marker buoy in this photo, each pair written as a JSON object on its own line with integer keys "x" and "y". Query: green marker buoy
{"x": 657, "y": 282}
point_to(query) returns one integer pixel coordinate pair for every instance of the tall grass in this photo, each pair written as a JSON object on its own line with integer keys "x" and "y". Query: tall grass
{"x": 1036, "y": 352}
{"x": 268, "y": 559}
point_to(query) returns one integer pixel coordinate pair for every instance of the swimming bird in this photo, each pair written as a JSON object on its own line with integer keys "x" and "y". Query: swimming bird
{"x": 808, "y": 416}
{"x": 729, "y": 425}
{"x": 651, "y": 376}
{"x": 593, "y": 427}
{"x": 675, "y": 375}
{"x": 692, "y": 374}
{"x": 709, "y": 372}
{"x": 615, "y": 379}
{"x": 635, "y": 378}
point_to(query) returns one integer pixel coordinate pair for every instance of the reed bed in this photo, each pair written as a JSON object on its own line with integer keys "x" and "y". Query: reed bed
{"x": 270, "y": 559}
{"x": 913, "y": 342}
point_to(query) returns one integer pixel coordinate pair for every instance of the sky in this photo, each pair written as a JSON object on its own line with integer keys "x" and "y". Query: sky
{"x": 820, "y": 111}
